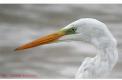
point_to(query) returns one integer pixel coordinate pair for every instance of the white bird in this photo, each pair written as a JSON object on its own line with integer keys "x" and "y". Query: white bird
{"x": 93, "y": 32}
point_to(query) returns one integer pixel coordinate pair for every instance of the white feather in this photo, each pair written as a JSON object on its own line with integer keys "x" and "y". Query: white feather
{"x": 96, "y": 33}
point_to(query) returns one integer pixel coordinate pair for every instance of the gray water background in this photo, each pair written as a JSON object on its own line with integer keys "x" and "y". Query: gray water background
{"x": 22, "y": 23}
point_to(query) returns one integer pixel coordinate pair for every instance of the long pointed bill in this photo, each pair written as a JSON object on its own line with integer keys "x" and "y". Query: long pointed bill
{"x": 41, "y": 41}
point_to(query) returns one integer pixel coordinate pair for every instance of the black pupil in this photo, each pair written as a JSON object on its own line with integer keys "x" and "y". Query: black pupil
{"x": 73, "y": 29}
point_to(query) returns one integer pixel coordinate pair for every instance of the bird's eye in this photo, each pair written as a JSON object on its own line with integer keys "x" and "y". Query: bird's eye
{"x": 73, "y": 29}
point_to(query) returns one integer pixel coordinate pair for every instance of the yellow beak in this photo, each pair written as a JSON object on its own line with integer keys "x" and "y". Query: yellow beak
{"x": 41, "y": 41}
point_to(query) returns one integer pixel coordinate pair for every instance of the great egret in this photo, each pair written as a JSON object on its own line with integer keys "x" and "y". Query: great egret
{"x": 93, "y": 32}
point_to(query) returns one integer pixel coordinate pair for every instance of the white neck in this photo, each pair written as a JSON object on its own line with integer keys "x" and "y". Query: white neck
{"x": 100, "y": 65}
{"x": 109, "y": 55}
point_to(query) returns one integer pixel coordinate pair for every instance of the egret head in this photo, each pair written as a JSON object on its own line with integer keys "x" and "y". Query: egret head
{"x": 72, "y": 32}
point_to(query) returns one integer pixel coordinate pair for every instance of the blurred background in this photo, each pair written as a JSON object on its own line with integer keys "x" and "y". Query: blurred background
{"x": 22, "y": 23}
